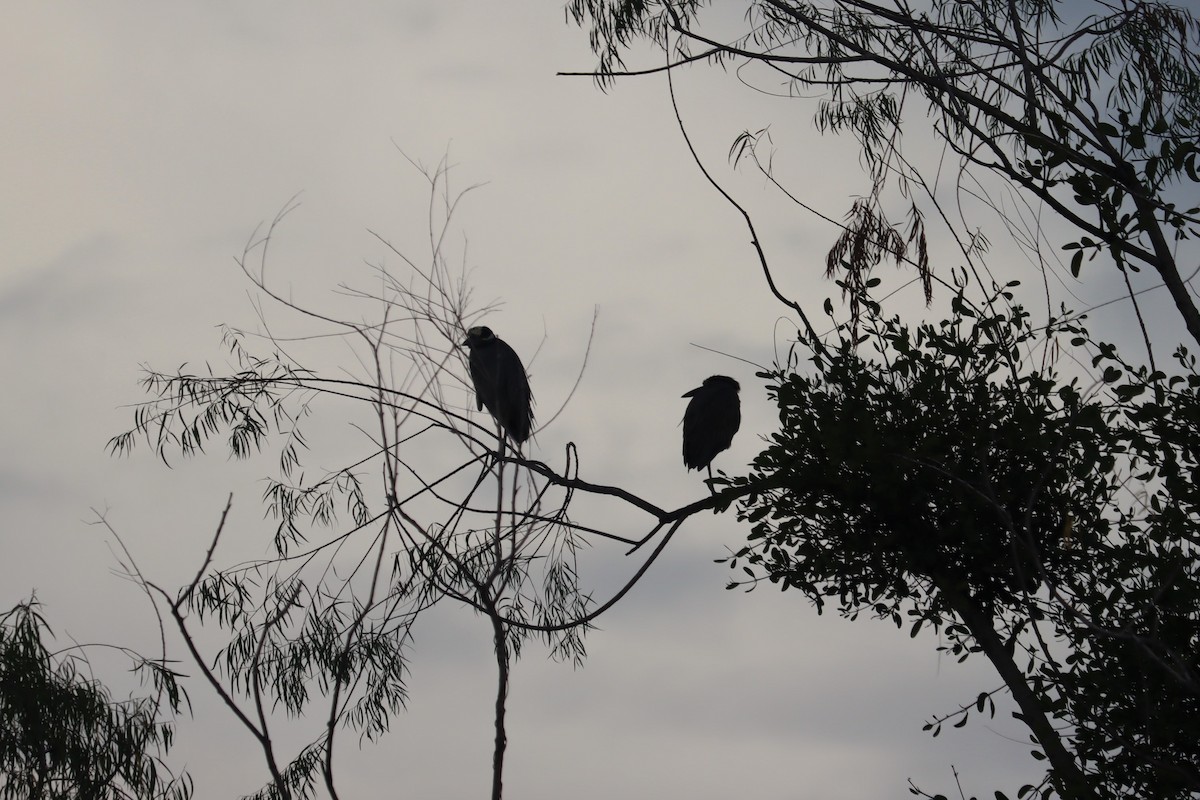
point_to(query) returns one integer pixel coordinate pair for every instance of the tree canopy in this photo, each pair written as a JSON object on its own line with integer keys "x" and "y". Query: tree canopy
{"x": 956, "y": 480}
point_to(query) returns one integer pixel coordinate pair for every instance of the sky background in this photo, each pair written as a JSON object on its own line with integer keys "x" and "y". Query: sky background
{"x": 144, "y": 142}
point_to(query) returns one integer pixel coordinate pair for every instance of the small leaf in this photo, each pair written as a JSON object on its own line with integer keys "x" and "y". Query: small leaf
{"x": 1076, "y": 263}
{"x": 1129, "y": 391}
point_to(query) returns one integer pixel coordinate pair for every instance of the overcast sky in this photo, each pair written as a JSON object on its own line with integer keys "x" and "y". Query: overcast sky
{"x": 143, "y": 142}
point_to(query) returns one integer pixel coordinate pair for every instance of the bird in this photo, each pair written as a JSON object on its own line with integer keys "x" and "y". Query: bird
{"x": 713, "y": 416}
{"x": 500, "y": 382}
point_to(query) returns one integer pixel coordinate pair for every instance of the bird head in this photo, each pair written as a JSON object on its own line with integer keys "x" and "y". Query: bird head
{"x": 479, "y": 335}
{"x": 716, "y": 383}
{"x": 722, "y": 381}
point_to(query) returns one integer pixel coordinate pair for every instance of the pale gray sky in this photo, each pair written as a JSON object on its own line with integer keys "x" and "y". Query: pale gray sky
{"x": 143, "y": 142}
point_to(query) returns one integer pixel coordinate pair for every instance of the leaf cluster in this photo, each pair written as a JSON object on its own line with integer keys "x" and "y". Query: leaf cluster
{"x": 62, "y": 735}
{"x": 946, "y": 475}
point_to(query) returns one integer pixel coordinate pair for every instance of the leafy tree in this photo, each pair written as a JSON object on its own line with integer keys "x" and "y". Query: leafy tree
{"x": 966, "y": 475}
{"x": 61, "y": 733}
{"x": 953, "y": 479}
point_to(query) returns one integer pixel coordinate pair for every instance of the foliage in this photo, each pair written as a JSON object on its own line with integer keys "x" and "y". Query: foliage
{"x": 1091, "y": 109}
{"x": 61, "y": 733}
{"x": 947, "y": 475}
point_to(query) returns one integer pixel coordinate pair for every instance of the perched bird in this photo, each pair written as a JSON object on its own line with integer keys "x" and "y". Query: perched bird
{"x": 500, "y": 382}
{"x": 712, "y": 418}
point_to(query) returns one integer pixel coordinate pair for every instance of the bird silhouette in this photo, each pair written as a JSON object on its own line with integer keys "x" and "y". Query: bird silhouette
{"x": 713, "y": 416}
{"x": 501, "y": 384}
